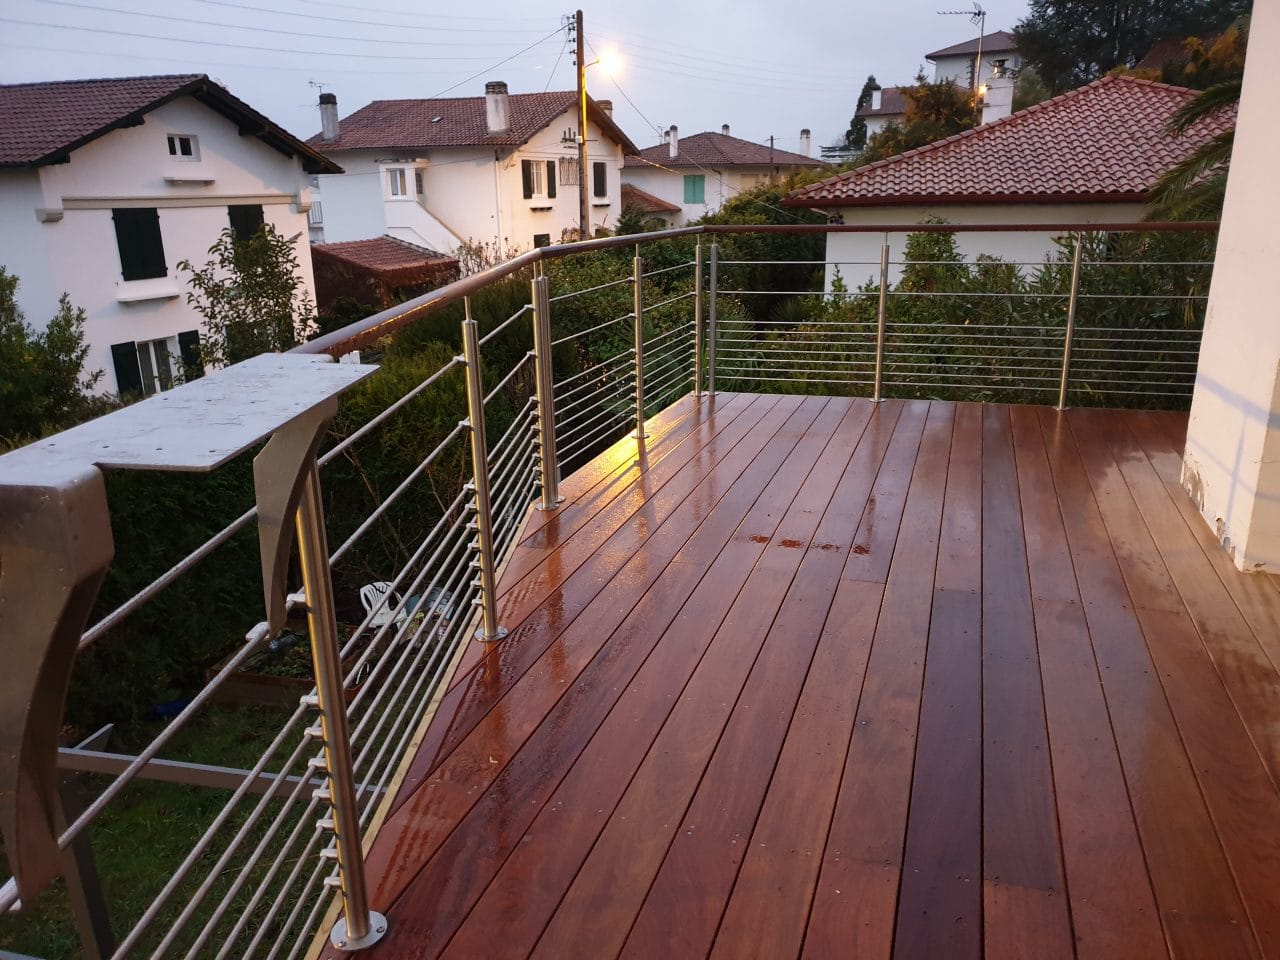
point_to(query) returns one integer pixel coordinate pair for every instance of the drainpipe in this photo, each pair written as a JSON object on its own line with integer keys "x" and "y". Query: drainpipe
{"x": 497, "y": 197}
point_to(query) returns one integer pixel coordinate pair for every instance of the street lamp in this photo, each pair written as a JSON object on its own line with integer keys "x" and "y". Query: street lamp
{"x": 609, "y": 62}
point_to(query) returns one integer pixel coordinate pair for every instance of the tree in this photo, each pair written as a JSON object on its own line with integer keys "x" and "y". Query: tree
{"x": 251, "y": 296}
{"x": 856, "y": 136}
{"x": 934, "y": 111}
{"x": 1071, "y": 42}
{"x": 44, "y": 387}
{"x": 1029, "y": 89}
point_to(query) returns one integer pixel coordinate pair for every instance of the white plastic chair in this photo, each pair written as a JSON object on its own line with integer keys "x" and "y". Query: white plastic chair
{"x": 379, "y": 595}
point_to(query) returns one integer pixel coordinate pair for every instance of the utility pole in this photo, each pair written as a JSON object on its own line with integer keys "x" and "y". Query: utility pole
{"x": 978, "y": 17}
{"x": 771, "y": 169}
{"x": 584, "y": 214}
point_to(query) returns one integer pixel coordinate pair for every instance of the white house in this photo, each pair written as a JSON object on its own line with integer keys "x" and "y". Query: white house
{"x": 1086, "y": 157}
{"x": 106, "y": 184}
{"x": 956, "y": 62}
{"x": 700, "y": 173}
{"x": 501, "y": 169}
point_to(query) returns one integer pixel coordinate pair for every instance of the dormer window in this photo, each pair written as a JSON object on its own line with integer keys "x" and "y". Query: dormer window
{"x": 397, "y": 186}
{"x": 184, "y": 146}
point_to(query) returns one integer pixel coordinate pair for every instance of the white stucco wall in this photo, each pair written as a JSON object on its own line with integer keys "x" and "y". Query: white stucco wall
{"x": 876, "y": 124}
{"x": 857, "y": 255}
{"x": 78, "y": 253}
{"x": 471, "y": 193}
{"x": 720, "y": 186}
{"x": 1232, "y": 463}
{"x": 957, "y": 68}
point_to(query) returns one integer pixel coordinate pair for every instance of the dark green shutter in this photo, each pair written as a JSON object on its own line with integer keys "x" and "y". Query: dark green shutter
{"x": 600, "y": 175}
{"x": 551, "y": 179}
{"x": 246, "y": 219}
{"x": 189, "y": 347}
{"x": 138, "y": 238}
{"x": 526, "y": 171}
{"x": 128, "y": 373}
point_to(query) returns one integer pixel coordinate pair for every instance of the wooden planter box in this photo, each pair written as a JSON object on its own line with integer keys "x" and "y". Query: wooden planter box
{"x": 249, "y": 688}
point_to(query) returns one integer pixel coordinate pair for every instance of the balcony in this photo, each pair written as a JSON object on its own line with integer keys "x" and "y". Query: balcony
{"x": 784, "y": 649}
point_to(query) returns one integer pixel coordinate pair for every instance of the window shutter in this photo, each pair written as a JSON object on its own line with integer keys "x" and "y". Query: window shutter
{"x": 526, "y": 172}
{"x": 138, "y": 238}
{"x": 246, "y": 219}
{"x": 551, "y": 179}
{"x": 128, "y": 374}
{"x": 600, "y": 174}
{"x": 695, "y": 188}
{"x": 189, "y": 347}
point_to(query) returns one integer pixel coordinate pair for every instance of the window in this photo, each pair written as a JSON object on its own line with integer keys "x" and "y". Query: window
{"x": 246, "y": 220}
{"x": 184, "y": 146}
{"x": 538, "y": 179}
{"x": 419, "y": 185}
{"x": 138, "y": 239}
{"x": 315, "y": 216}
{"x": 568, "y": 171}
{"x": 150, "y": 366}
{"x": 542, "y": 239}
{"x": 695, "y": 188}
{"x": 599, "y": 179}
{"x": 396, "y": 183}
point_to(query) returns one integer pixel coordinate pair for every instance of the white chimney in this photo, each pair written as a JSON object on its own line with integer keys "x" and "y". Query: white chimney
{"x": 606, "y": 106}
{"x": 497, "y": 108}
{"x": 805, "y": 139}
{"x": 997, "y": 94}
{"x": 328, "y": 117}
{"x": 673, "y": 141}
{"x": 875, "y": 98}
{"x": 725, "y": 129}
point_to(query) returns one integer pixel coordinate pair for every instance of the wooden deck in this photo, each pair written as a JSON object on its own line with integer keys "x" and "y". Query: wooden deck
{"x": 820, "y": 678}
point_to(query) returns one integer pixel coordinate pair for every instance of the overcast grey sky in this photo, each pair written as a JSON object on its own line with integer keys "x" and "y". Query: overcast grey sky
{"x": 765, "y": 68}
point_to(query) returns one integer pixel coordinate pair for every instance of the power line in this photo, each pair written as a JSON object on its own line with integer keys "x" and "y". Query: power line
{"x": 259, "y": 29}
{"x": 551, "y": 76}
{"x": 241, "y": 46}
{"x": 364, "y": 21}
{"x": 702, "y": 61}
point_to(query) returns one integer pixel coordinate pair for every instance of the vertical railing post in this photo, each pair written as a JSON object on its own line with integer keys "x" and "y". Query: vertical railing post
{"x": 485, "y": 561}
{"x": 1072, "y": 300}
{"x": 697, "y": 319}
{"x": 637, "y": 282}
{"x": 712, "y": 295}
{"x": 882, "y": 316}
{"x": 544, "y": 381}
{"x": 359, "y": 926}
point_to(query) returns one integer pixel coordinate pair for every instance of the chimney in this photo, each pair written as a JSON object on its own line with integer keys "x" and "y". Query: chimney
{"x": 805, "y": 139}
{"x": 673, "y": 141}
{"x": 497, "y": 108}
{"x": 997, "y": 94}
{"x": 606, "y": 106}
{"x": 725, "y": 129}
{"x": 875, "y": 98}
{"x": 328, "y": 117}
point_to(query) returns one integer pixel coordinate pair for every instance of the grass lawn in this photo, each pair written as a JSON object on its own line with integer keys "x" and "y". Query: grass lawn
{"x": 144, "y": 835}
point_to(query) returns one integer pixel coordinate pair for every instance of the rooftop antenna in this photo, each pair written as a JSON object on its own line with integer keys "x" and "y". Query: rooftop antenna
{"x": 978, "y": 17}
{"x": 317, "y": 84}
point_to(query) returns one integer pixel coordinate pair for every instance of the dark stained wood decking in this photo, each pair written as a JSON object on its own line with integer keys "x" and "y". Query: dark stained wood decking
{"x": 812, "y": 677}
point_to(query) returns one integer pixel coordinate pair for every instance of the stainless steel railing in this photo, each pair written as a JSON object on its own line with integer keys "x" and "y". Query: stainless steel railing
{"x": 610, "y": 332}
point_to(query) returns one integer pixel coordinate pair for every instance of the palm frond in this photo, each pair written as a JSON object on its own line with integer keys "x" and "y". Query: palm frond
{"x": 1209, "y": 102}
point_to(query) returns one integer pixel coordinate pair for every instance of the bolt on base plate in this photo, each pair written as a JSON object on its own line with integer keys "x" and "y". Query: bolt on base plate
{"x": 377, "y": 929}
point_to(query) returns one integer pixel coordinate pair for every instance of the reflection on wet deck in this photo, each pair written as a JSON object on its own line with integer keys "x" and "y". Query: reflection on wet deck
{"x": 816, "y": 677}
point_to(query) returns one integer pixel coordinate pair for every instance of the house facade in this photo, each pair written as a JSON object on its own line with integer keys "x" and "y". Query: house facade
{"x": 105, "y": 185}
{"x": 956, "y": 62}
{"x": 699, "y": 174}
{"x": 499, "y": 170}
{"x": 1087, "y": 157}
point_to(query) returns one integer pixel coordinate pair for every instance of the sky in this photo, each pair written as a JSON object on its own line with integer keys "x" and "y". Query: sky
{"x": 764, "y": 68}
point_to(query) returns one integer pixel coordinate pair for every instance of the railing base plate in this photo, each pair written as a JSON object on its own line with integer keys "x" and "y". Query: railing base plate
{"x": 554, "y": 506}
{"x": 485, "y": 638}
{"x": 377, "y": 930}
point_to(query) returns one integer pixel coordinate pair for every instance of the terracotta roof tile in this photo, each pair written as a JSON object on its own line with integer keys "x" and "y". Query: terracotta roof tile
{"x": 455, "y": 122}
{"x": 997, "y": 42}
{"x": 1105, "y": 141}
{"x": 385, "y": 254}
{"x": 633, "y": 196}
{"x": 42, "y": 122}
{"x": 719, "y": 150}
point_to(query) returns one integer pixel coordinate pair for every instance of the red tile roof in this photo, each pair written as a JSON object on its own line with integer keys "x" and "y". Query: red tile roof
{"x": 1105, "y": 141}
{"x": 893, "y": 103}
{"x": 41, "y": 123}
{"x": 633, "y": 196}
{"x": 997, "y": 42}
{"x": 385, "y": 255}
{"x": 457, "y": 122}
{"x": 719, "y": 150}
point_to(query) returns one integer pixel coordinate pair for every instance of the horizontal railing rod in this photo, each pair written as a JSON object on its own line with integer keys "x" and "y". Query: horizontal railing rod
{"x": 496, "y": 331}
